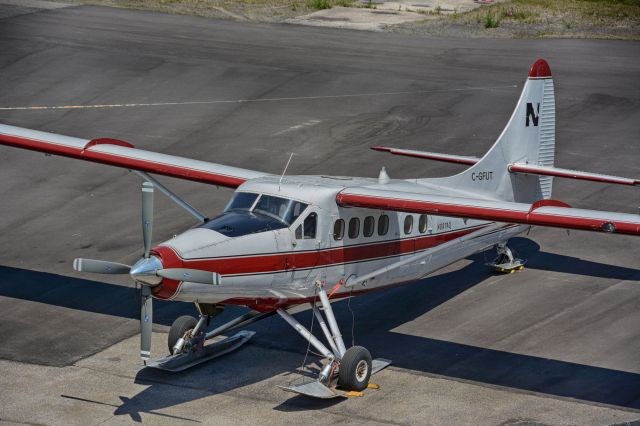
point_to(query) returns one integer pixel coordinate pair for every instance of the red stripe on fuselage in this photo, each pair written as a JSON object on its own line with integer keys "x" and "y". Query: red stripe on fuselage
{"x": 282, "y": 262}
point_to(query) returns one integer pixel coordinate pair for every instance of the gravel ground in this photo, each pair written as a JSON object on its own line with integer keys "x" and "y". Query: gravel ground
{"x": 599, "y": 19}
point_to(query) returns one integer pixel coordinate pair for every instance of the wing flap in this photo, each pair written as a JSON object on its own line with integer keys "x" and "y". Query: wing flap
{"x": 548, "y": 213}
{"x": 122, "y": 154}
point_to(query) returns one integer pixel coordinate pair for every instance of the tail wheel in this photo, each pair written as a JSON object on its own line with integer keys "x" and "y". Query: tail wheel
{"x": 355, "y": 369}
{"x": 179, "y": 328}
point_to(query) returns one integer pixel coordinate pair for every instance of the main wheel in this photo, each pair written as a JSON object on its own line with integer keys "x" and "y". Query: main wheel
{"x": 179, "y": 327}
{"x": 355, "y": 369}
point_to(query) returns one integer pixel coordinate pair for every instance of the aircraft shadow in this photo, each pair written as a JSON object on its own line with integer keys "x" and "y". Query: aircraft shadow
{"x": 84, "y": 295}
{"x": 376, "y": 315}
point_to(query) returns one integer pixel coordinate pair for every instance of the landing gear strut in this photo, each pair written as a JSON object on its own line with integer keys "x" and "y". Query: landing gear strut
{"x": 353, "y": 366}
{"x": 182, "y": 329}
{"x": 505, "y": 262}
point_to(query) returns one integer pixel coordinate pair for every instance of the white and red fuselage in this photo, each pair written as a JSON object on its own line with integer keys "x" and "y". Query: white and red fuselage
{"x": 269, "y": 268}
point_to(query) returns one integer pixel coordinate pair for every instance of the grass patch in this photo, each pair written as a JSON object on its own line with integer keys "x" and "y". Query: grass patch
{"x": 491, "y": 20}
{"x": 536, "y": 10}
{"x": 610, "y": 19}
{"x": 320, "y": 4}
{"x": 328, "y": 4}
{"x": 555, "y": 18}
{"x": 240, "y": 10}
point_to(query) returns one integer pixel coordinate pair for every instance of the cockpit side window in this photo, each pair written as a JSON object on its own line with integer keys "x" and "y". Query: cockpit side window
{"x": 307, "y": 230}
{"x": 295, "y": 210}
{"x": 241, "y": 201}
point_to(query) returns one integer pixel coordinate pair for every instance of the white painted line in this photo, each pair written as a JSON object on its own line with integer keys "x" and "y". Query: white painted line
{"x": 298, "y": 126}
{"x": 299, "y": 98}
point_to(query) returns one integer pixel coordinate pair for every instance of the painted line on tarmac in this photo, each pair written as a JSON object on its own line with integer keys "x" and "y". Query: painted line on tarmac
{"x": 231, "y": 101}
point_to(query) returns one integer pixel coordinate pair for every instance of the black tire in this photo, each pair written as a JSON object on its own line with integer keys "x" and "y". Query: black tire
{"x": 355, "y": 369}
{"x": 178, "y": 328}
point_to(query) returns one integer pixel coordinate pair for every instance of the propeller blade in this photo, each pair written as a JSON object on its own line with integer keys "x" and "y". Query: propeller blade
{"x": 147, "y": 216}
{"x": 146, "y": 322}
{"x": 190, "y": 275}
{"x": 100, "y": 266}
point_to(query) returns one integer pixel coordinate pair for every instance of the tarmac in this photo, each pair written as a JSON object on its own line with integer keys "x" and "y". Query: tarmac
{"x": 557, "y": 343}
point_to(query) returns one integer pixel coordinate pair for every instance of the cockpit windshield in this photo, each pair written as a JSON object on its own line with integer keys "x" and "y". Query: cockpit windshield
{"x": 281, "y": 208}
{"x": 249, "y": 213}
{"x": 241, "y": 201}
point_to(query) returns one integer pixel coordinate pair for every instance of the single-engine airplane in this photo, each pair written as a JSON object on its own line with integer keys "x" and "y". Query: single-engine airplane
{"x": 290, "y": 242}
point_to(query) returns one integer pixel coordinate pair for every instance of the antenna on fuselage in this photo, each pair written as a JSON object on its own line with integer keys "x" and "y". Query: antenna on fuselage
{"x": 285, "y": 170}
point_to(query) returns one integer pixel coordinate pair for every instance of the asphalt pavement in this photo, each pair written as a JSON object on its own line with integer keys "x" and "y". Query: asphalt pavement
{"x": 558, "y": 343}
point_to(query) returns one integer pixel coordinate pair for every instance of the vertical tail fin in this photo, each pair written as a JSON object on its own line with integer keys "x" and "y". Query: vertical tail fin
{"x": 529, "y": 137}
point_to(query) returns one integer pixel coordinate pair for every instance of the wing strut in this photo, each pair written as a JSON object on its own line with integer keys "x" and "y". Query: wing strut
{"x": 172, "y": 196}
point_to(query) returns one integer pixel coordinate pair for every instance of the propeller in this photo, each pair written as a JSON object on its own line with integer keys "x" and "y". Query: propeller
{"x": 148, "y": 272}
{"x": 100, "y": 266}
{"x": 147, "y": 216}
{"x": 146, "y": 322}
{"x": 191, "y": 275}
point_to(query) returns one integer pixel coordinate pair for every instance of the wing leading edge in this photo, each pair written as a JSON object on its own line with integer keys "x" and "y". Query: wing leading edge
{"x": 542, "y": 213}
{"x": 122, "y": 154}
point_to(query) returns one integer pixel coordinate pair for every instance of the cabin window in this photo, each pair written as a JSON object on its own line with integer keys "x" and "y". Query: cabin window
{"x": 369, "y": 226}
{"x": 354, "y": 227}
{"x": 422, "y": 223}
{"x": 307, "y": 230}
{"x": 338, "y": 229}
{"x": 408, "y": 224}
{"x": 383, "y": 225}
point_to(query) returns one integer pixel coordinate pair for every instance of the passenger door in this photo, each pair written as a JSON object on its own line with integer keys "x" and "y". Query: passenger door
{"x": 308, "y": 241}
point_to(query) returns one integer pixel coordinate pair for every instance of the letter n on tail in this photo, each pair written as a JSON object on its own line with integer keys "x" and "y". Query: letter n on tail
{"x": 534, "y": 115}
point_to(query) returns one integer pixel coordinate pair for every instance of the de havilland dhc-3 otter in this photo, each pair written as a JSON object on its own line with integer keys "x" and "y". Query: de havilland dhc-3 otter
{"x": 286, "y": 243}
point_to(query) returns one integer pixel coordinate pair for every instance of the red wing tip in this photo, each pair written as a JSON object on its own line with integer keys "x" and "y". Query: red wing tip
{"x": 540, "y": 69}
{"x": 381, "y": 148}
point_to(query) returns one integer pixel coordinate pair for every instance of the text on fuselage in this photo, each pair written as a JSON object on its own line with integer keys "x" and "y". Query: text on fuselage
{"x": 481, "y": 176}
{"x": 444, "y": 225}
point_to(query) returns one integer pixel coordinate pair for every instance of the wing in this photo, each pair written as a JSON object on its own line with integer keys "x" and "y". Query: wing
{"x": 122, "y": 154}
{"x": 543, "y": 213}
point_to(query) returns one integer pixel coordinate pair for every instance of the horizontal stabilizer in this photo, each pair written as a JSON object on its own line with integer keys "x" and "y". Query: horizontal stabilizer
{"x": 447, "y": 158}
{"x": 533, "y": 169}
